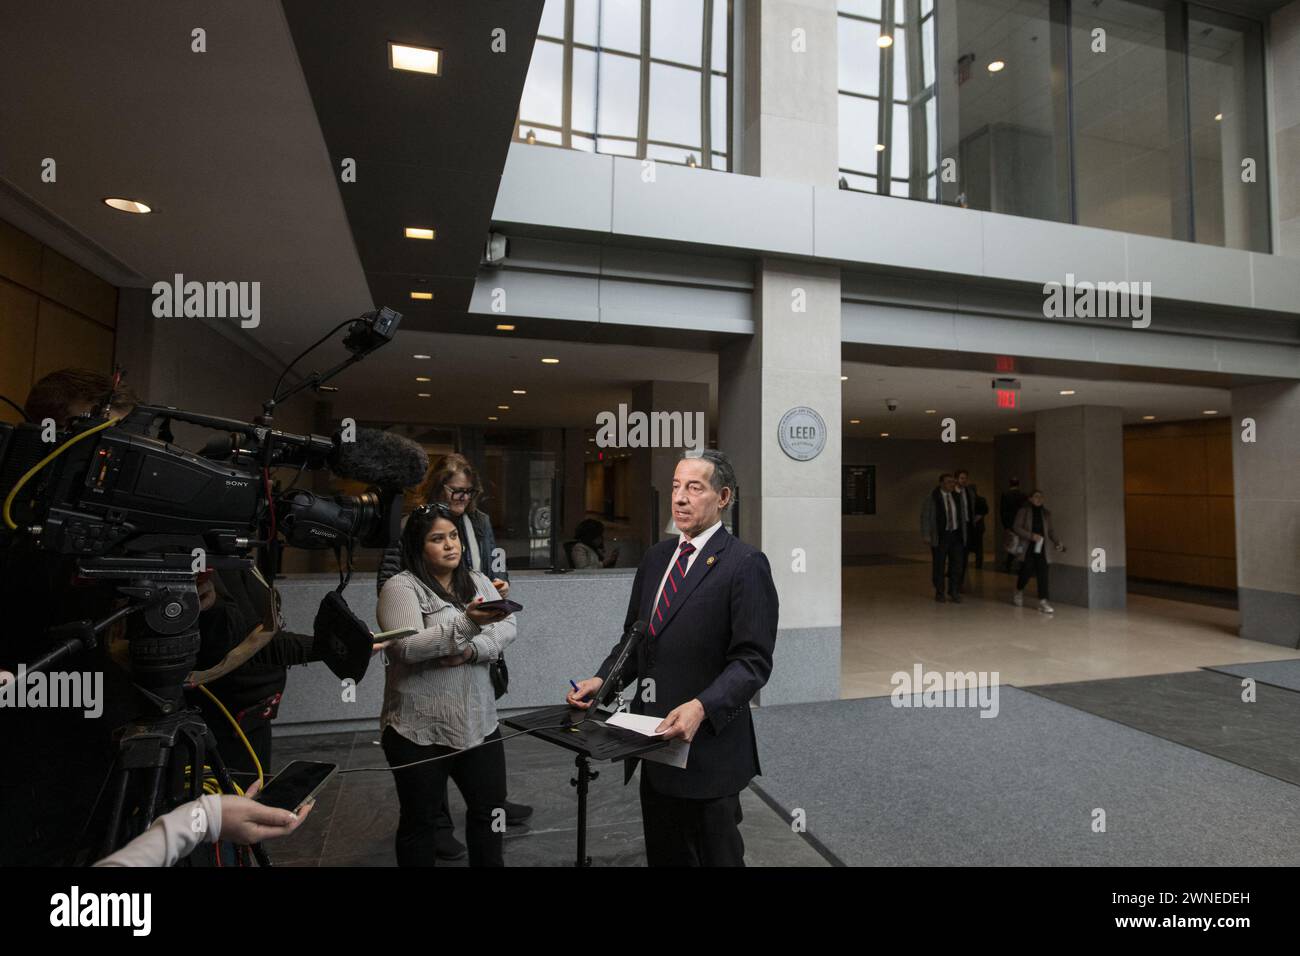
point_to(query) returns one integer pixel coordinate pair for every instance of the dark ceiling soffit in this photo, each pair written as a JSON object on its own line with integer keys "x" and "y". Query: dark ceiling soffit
{"x": 429, "y": 151}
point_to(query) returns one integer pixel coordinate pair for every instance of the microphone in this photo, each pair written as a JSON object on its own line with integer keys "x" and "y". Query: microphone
{"x": 634, "y": 637}
{"x": 379, "y": 458}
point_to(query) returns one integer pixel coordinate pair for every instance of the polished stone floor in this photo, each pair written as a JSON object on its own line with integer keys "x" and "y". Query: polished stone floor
{"x": 891, "y": 622}
{"x": 355, "y": 817}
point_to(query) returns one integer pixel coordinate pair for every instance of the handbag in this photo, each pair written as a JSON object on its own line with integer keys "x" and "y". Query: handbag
{"x": 1015, "y": 545}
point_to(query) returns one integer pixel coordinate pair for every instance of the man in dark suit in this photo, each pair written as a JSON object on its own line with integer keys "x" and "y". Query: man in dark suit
{"x": 711, "y": 610}
{"x": 944, "y": 532}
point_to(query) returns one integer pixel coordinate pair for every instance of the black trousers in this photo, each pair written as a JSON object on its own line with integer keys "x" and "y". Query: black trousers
{"x": 684, "y": 832}
{"x": 975, "y": 544}
{"x": 953, "y": 551}
{"x": 1034, "y": 564}
{"x": 479, "y": 774}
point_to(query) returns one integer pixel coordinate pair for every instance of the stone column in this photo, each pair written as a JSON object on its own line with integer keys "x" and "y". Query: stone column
{"x": 1267, "y": 500}
{"x": 1079, "y": 461}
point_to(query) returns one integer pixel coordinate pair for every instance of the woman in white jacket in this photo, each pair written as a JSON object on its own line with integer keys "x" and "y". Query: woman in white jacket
{"x": 439, "y": 700}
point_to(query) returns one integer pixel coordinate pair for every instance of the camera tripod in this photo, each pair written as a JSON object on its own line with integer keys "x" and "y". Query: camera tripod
{"x": 153, "y": 752}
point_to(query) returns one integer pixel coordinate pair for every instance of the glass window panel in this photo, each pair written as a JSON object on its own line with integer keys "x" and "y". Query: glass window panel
{"x": 677, "y": 30}
{"x": 1130, "y": 139}
{"x": 932, "y": 134}
{"x": 1007, "y": 131}
{"x": 620, "y": 25}
{"x": 859, "y": 65}
{"x": 616, "y": 147}
{"x": 899, "y": 50}
{"x": 584, "y": 91}
{"x": 543, "y": 94}
{"x": 671, "y": 154}
{"x": 857, "y": 134}
{"x": 900, "y": 159}
{"x": 619, "y": 95}
{"x": 1228, "y": 126}
{"x": 586, "y": 21}
{"x": 858, "y": 182}
{"x": 927, "y": 50}
{"x": 862, "y": 8}
{"x": 720, "y": 161}
{"x": 718, "y": 112}
{"x": 584, "y": 143}
{"x": 719, "y": 51}
{"x": 552, "y": 24}
{"x": 674, "y": 104}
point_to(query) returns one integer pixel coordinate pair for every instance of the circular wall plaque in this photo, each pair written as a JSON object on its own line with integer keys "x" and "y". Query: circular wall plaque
{"x": 802, "y": 433}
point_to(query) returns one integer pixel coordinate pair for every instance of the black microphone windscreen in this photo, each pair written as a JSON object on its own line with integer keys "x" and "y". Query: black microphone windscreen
{"x": 380, "y": 458}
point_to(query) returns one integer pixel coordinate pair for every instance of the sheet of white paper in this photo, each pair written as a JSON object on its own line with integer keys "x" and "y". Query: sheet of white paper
{"x": 1038, "y": 546}
{"x": 675, "y": 754}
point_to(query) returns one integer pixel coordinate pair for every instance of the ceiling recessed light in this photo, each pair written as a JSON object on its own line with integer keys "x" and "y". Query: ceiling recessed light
{"x": 855, "y": 421}
{"x": 1013, "y": 429}
{"x": 415, "y": 59}
{"x": 519, "y": 391}
{"x": 884, "y": 434}
{"x": 503, "y": 408}
{"x": 880, "y": 147}
{"x": 419, "y": 356}
{"x": 1148, "y": 418}
{"x": 844, "y": 378}
{"x": 1210, "y": 411}
{"x": 492, "y": 418}
{"x": 997, "y": 66}
{"x": 423, "y": 395}
{"x": 1066, "y": 391}
{"x": 550, "y": 361}
{"x": 965, "y": 437}
{"x": 422, "y": 296}
{"x": 416, "y": 232}
{"x": 591, "y": 439}
{"x": 1218, "y": 117}
{"x": 884, "y": 40}
{"x": 505, "y": 328}
{"x": 423, "y": 378}
{"x": 930, "y": 411}
{"x": 126, "y": 205}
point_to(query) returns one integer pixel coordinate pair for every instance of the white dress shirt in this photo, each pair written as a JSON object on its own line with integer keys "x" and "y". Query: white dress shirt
{"x": 700, "y": 540}
{"x": 950, "y": 510}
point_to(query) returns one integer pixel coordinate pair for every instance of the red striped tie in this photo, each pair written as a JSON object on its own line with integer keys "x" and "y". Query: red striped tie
{"x": 671, "y": 586}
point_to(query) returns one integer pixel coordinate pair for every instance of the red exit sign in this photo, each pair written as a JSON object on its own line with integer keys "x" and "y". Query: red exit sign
{"x": 1006, "y": 398}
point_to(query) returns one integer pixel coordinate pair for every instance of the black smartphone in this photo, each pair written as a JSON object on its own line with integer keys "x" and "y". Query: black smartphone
{"x": 296, "y": 784}
{"x": 502, "y": 604}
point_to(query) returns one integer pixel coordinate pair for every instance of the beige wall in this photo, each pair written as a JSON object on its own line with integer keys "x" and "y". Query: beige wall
{"x": 54, "y": 314}
{"x": 1178, "y": 505}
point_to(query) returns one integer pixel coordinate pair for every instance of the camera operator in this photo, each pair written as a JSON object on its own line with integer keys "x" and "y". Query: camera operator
{"x": 54, "y": 758}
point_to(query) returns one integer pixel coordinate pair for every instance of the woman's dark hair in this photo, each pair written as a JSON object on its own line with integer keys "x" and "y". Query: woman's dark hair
{"x": 588, "y": 530}
{"x": 417, "y": 529}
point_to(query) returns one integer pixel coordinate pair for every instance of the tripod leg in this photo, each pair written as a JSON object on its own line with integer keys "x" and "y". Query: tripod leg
{"x": 121, "y": 782}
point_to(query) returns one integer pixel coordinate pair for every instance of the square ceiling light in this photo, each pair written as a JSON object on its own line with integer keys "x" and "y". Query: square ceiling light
{"x": 416, "y": 59}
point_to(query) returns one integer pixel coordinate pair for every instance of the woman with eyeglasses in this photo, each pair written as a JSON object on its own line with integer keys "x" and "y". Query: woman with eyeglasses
{"x": 439, "y": 700}
{"x": 453, "y": 481}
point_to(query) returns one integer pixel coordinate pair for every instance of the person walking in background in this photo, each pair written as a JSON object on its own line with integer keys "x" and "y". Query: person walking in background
{"x": 1033, "y": 526}
{"x": 452, "y": 481}
{"x": 976, "y": 545}
{"x": 966, "y": 499}
{"x": 1008, "y": 508}
{"x": 943, "y": 531}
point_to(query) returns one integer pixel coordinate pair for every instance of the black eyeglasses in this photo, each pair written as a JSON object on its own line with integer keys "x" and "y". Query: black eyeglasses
{"x": 460, "y": 492}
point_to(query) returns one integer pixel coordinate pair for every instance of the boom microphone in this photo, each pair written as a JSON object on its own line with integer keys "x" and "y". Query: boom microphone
{"x": 380, "y": 458}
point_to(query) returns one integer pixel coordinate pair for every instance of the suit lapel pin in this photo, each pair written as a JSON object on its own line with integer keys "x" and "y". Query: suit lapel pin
{"x": 712, "y": 558}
